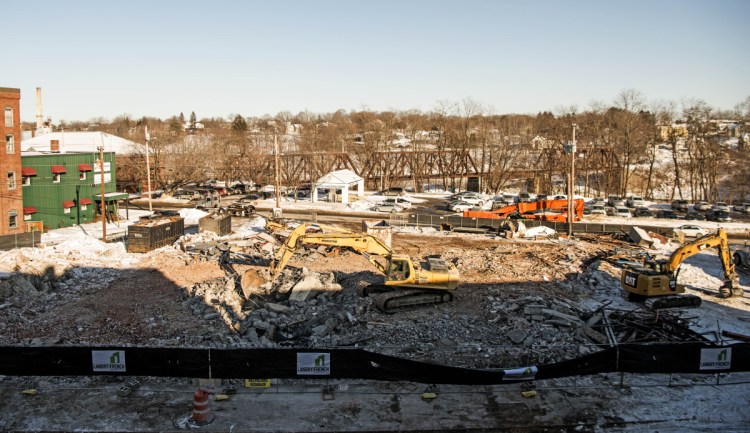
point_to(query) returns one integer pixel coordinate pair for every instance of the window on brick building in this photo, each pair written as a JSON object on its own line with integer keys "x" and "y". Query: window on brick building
{"x": 8, "y": 117}
{"x": 10, "y": 144}
{"x": 11, "y": 180}
{"x": 12, "y": 219}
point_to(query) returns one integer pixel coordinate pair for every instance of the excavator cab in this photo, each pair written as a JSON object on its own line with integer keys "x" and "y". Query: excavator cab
{"x": 399, "y": 270}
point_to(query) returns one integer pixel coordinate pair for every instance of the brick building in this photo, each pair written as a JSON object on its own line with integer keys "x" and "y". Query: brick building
{"x": 11, "y": 195}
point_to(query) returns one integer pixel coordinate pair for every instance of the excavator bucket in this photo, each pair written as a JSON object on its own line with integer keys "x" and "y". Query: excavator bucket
{"x": 252, "y": 280}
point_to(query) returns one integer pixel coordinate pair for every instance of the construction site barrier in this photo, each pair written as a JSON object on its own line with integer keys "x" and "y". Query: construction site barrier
{"x": 490, "y": 224}
{"x": 20, "y": 240}
{"x": 696, "y": 358}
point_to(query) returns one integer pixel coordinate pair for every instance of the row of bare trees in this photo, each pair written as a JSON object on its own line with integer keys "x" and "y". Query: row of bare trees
{"x": 631, "y": 145}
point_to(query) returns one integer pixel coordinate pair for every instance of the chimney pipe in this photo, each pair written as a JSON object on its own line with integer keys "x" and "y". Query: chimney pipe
{"x": 38, "y": 108}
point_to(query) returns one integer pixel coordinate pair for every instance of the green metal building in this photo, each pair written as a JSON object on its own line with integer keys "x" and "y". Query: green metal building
{"x": 64, "y": 189}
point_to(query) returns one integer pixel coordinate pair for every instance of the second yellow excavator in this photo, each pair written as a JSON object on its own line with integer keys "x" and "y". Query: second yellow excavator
{"x": 407, "y": 284}
{"x": 656, "y": 280}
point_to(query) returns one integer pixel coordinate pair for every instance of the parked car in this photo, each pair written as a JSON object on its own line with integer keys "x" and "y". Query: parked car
{"x": 541, "y": 197}
{"x": 248, "y": 199}
{"x": 525, "y": 197}
{"x": 462, "y": 206}
{"x": 701, "y": 205}
{"x": 598, "y": 201}
{"x": 615, "y": 200}
{"x": 399, "y": 201}
{"x": 474, "y": 198}
{"x": 388, "y": 207}
{"x": 691, "y": 231}
{"x": 695, "y": 216}
{"x": 598, "y": 209}
{"x": 622, "y": 211}
{"x": 742, "y": 207}
{"x": 642, "y": 212}
{"x": 720, "y": 205}
{"x": 635, "y": 201}
{"x": 680, "y": 205}
{"x": 718, "y": 216}
{"x": 666, "y": 214}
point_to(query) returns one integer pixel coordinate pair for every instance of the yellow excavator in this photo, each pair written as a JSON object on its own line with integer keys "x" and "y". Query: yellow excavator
{"x": 407, "y": 284}
{"x": 656, "y": 280}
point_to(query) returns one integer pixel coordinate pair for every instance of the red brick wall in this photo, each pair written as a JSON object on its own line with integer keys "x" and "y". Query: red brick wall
{"x": 10, "y": 199}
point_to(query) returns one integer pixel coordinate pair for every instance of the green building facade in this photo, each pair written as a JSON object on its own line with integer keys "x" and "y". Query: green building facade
{"x": 64, "y": 189}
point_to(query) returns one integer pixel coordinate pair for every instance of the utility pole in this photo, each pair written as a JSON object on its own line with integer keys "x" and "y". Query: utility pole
{"x": 148, "y": 171}
{"x": 571, "y": 148}
{"x": 103, "y": 202}
{"x": 277, "y": 183}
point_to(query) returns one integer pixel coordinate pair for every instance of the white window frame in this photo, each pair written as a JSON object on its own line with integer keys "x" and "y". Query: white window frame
{"x": 27, "y": 217}
{"x": 8, "y": 119}
{"x": 66, "y": 209}
{"x": 82, "y": 175}
{"x": 26, "y": 180}
{"x": 11, "y": 180}
{"x": 10, "y": 143}
{"x": 84, "y": 206}
{"x": 56, "y": 177}
{"x": 12, "y": 219}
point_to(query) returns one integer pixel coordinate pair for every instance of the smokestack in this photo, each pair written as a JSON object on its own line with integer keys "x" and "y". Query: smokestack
{"x": 38, "y": 108}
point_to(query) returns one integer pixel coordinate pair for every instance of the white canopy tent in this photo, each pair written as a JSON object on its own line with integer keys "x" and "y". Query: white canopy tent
{"x": 339, "y": 179}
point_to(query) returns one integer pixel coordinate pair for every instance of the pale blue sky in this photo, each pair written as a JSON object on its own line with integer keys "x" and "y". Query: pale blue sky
{"x": 160, "y": 58}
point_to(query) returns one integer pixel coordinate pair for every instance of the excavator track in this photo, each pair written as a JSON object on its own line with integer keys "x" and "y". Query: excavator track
{"x": 673, "y": 301}
{"x": 400, "y": 300}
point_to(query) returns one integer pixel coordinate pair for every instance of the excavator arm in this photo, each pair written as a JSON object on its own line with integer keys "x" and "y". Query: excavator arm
{"x": 362, "y": 243}
{"x": 719, "y": 240}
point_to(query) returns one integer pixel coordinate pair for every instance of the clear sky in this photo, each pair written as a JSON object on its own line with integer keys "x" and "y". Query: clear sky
{"x": 160, "y": 58}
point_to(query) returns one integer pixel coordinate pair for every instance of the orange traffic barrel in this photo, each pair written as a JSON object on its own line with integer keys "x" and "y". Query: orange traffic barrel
{"x": 201, "y": 412}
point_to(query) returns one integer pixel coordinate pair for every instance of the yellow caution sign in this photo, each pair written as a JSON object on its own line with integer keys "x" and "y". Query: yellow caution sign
{"x": 257, "y": 383}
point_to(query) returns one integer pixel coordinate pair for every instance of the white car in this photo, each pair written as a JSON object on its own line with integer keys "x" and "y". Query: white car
{"x": 473, "y": 198}
{"x": 598, "y": 209}
{"x": 701, "y": 205}
{"x": 388, "y": 207}
{"x": 742, "y": 207}
{"x": 398, "y": 201}
{"x": 462, "y": 206}
{"x": 720, "y": 205}
{"x": 622, "y": 211}
{"x": 691, "y": 231}
{"x": 635, "y": 201}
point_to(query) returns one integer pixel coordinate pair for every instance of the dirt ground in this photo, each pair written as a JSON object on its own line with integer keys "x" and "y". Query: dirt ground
{"x": 172, "y": 298}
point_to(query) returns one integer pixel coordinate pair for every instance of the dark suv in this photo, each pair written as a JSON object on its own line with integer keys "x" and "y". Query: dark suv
{"x": 666, "y": 214}
{"x": 718, "y": 216}
{"x": 680, "y": 205}
{"x": 642, "y": 212}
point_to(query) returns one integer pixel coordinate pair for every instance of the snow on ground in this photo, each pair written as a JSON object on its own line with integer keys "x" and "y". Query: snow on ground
{"x": 192, "y": 216}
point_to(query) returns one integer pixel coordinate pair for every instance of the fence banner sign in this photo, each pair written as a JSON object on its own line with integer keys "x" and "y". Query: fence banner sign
{"x": 523, "y": 373}
{"x": 314, "y": 363}
{"x": 716, "y": 359}
{"x": 108, "y": 360}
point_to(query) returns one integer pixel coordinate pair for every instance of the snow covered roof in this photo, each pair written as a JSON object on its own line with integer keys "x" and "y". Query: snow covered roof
{"x": 79, "y": 142}
{"x": 338, "y": 178}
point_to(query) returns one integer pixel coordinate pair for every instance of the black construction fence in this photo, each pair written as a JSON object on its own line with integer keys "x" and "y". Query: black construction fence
{"x": 491, "y": 224}
{"x": 697, "y": 358}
